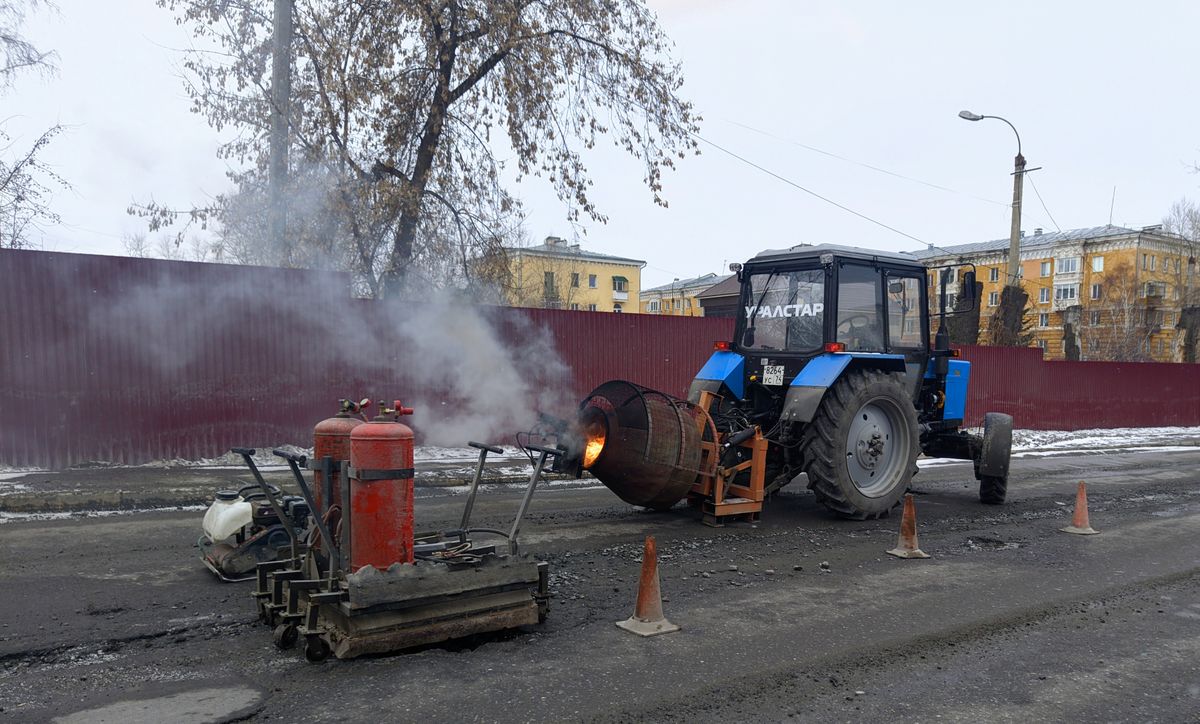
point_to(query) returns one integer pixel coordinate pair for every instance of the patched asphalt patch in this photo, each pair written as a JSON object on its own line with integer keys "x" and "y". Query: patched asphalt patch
{"x": 209, "y": 705}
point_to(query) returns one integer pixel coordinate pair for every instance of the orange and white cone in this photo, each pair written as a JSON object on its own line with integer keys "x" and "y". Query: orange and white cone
{"x": 647, "y": 618}
{"x": 1079, "y": 523}
{"x": 907, "y": 546}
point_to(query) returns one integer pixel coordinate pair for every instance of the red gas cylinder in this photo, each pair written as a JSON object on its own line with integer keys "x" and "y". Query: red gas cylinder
{"x": 381, "y": 491}
{"x": 331, "y": 438}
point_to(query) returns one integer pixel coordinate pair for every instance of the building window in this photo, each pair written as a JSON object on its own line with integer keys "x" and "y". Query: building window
{"x": 575, "y": 280}
{"x": 1094, "y": 316}
{"x": 1068, "y": 265}
{"x": 591, "y": 307}
{"x": 620, "y": 284}
{"x": 574, "y": 307}
{"x": 1153, "y": 262}
{"x": 1097, "y": 263}
{"x": 1041, "y": 343}
{"x": 653, "y": 306}
{"x": 1043, "y": 320}
{"x": 994, "y": 274}
{"x": 548, "y": 290}
{"x": 1045, "y": 268}
{"x": 616, "y": 307}
{"x": 1168, "y": 319}
{"x": 1160, "y": 346}
{"x": 1044, "y": 295}
{"x": 592, "y": 282}
{"x": 1066, "y": 292}
{"x": 1095, "y": 291}
{"x": 1154, "y": 289}
{"x": 993, "y": 299}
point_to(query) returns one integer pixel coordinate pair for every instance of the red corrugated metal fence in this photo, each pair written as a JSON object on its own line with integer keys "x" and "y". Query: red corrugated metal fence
{"x": 128, "y": 360}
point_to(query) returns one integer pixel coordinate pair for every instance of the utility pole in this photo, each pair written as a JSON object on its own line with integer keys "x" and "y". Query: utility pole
{"x": 1014, "y": 234}
{"x": 1007, "y": 320}
{"x": 281, "y": 92}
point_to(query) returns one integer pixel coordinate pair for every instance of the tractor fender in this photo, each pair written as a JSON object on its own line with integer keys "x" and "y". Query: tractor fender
{"x": 995, "y": 451}
{"x": 809, "y": 387}
{"x": 723, "y": 369}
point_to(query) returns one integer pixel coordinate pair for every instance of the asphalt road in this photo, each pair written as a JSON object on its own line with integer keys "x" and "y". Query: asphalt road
{"x": 115, "y": 619}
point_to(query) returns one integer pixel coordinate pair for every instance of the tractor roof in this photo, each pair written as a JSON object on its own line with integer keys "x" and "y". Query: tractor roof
{"x": 806, "y": 252}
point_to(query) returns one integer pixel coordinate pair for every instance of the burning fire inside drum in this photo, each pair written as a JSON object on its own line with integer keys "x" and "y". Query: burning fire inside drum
{"x": 642, "y": 444}
{"x": 595, "y": 435}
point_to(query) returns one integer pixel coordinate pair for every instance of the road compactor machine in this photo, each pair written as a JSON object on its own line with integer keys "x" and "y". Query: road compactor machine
{"x": 830, "y": 373}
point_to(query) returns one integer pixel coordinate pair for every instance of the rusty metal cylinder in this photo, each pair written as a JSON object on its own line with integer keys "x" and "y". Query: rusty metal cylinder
{"x": 331, "y": 438}
{"x": 642, "y": 444}
{"x": 381, "y": 494}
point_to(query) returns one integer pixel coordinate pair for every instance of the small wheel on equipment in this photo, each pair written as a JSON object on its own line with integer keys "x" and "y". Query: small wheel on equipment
{"x": 316, "y": 649}
{"x": 285, "y": 635}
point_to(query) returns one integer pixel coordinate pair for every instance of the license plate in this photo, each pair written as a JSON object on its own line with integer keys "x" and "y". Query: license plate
{"x": 773, "y": 375}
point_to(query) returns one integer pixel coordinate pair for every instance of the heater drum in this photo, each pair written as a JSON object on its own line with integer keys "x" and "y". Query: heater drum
{"x": 650, "y": 452}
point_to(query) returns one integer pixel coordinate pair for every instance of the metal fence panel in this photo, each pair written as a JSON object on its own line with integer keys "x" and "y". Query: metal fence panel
{"x": 130, "y": 360}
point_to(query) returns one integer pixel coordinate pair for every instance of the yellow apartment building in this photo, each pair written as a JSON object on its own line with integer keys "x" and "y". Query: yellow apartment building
{"x": 1102, "y": 293}
{"x": 679, "y": 297}
{"x": 560, "y": 275}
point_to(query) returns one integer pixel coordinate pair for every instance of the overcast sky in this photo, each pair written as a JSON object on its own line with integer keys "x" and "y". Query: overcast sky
{"x": 1103, "y": 94}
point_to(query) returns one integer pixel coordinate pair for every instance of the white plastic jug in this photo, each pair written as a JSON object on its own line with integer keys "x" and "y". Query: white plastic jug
{"x": 226, "y": 516}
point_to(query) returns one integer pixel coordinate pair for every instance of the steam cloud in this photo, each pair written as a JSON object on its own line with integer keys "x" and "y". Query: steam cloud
{"x": 471, "y": 372}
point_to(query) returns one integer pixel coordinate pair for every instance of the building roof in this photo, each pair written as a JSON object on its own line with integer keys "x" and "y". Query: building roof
{"x": 703, "y": 281}
{"x": 559, "y": 248}
{"x": 727, "y": 287}
{"x": 1033, "y": 241}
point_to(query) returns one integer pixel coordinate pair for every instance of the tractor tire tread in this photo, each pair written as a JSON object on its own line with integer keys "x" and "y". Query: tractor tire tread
{"x": 819, "y": 442}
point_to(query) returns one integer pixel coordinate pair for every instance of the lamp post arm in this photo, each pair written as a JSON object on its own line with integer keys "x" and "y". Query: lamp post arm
{"x": 1014, "y": 130}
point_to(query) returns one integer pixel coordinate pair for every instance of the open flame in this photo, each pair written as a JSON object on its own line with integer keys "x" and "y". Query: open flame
{"x": 595, "y": 444}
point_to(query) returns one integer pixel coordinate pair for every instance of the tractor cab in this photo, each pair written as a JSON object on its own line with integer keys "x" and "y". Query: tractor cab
{"x": 809, "y": 313}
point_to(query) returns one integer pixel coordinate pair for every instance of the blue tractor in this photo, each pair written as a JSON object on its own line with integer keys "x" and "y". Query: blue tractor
{"x": 830, "y": 373}
{"x": 831, "y": 358}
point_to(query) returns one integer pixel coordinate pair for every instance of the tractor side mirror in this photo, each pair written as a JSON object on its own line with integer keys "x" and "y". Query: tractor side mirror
{"x": 896, "y": 288}
{"x": 969, "y": 286}
{"x": 748, "y": 337}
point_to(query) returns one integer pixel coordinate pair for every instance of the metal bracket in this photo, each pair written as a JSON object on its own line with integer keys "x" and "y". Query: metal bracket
{"x": 367, "y": 476}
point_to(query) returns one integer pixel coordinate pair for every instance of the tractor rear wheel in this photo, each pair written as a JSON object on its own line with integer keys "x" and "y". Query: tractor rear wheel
{"x": 860, "y": 450}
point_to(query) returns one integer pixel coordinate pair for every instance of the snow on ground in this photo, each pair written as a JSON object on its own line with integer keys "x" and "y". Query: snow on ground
{"x": 8, "y": 517}
{"x": 1024, "y": 442}
{"x": 1089, "y": 439}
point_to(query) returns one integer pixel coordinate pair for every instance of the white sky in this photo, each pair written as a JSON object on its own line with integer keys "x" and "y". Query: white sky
{"x": 1103, "y": 94}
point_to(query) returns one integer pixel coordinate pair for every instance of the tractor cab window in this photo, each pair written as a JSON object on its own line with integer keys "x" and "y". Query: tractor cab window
{"x": 786, "y": 310}
{"x": 859, "y": 318}
{"x": 904, "y": 312}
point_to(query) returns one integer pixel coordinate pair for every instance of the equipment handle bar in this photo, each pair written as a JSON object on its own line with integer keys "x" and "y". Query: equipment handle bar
{"x": 485, "y": 446}
{"x": 290, "y": 457}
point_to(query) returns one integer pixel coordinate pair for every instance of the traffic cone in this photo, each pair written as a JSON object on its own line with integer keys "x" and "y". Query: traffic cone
{"x": 907, "y": 546}
{"x": 1079, "y": 524}
{"x": 647, "y": 618}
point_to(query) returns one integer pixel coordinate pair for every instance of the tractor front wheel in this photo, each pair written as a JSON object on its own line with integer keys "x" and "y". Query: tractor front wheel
{"x": 860, "y": 450}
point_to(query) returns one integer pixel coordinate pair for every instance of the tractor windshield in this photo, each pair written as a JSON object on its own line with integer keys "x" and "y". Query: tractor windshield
{"x": 786, "y": 310}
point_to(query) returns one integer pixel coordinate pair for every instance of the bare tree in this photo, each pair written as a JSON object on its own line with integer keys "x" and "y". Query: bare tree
{"x": 1118, "y": 327}
{"x": 26, "y": 180}
{"x": 1183, "y": 220}
{"x": 399, "y": 109}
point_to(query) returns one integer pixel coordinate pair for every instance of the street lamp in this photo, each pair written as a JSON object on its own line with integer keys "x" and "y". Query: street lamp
{"x": 1014, "y": 235}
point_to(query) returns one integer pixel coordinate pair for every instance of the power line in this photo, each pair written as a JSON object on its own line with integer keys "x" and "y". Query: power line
{"x": 894, "y": 174}
{"x": 1022, "y": 278}
{"x": 810, "y": 192}
{"x": 1039, "y": 195}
